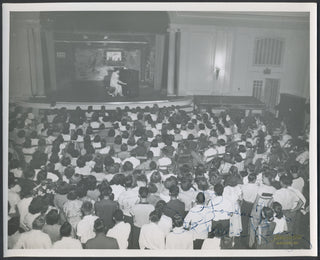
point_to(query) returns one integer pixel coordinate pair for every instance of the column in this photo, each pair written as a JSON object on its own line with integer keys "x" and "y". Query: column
{"x": 171, "y": 61}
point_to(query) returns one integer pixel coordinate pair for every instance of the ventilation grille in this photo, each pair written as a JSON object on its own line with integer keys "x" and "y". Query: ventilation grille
{"x": 268, "y": 52}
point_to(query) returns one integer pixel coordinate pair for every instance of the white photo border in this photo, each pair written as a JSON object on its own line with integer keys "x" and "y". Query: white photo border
{"x": 190, "y": 6}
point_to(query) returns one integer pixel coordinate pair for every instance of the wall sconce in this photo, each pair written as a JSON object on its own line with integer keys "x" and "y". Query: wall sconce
{"x": 216, "y": 70}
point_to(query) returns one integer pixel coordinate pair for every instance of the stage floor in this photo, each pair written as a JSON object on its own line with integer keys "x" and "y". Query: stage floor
{"x": 93, "y": 92}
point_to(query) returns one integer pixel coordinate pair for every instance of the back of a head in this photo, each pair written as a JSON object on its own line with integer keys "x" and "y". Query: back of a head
{"x": 38, "y": 223}
{"x": 185, "y": 184}
{"x": 286, "y": 180}
{"x": 155, "y": 177}
{"x": 174, "y": 191}
{"x": 152, "y": 188}
{"x": 118, "y": 215}
{"x": 277, "y": 208}
{"x": 87, "y": 207}
{"x": 65, "y": 229}
{"x": 252, "y": 178}
{"x": 52, "y": 217}
{"x": 267, "y": 213}
{"x": 200, "y": 199}
{"x": 161, "y": 204}
{"x": 154, "y": 216}
{"x": 99, "y": 226}
{"x": 128, "y": 182}
{"x": 177, "y": 220}
{"x": 218, "y": 189}
{"x": 72, "y": 195}
{"x": 143, "y": 192}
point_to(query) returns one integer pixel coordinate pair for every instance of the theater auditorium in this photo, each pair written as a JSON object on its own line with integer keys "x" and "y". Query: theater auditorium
{"x": 158, "y": 130}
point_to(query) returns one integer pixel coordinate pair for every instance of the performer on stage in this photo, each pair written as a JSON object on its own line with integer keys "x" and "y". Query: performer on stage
{"x": 115, "y": 84}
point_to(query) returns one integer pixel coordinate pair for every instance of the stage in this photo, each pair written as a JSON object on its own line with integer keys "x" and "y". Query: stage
{"x": 93, "y": 91}
{"x": 84, "y": 94}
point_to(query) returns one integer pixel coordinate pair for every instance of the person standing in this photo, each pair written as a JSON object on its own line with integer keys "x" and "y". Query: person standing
{"x": 67, "y": 242}
{"x": 174, "y": 206}
{"x": 121, "y": 230}
{"x": 106, "y": 207}
{"x": 179, "y": 238}
{"x": 85, "y": 226}
{"x": 101, "y": 241}
{"x": 199, "y": 221}
{"x": 35, "y": 238}
{"x": 151, "y": 236}
{"x": 140, "y": 213}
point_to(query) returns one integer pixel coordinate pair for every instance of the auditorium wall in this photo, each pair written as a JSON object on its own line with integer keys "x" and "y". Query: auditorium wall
{"x": 25, "y": 61}
{"x": 204, "y": 48}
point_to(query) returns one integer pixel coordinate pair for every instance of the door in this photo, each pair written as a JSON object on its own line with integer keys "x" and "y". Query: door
{"x": 271, "y": 93}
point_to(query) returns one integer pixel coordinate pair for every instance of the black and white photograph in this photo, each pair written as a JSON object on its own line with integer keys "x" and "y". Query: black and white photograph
{"x": 159, "y": 129}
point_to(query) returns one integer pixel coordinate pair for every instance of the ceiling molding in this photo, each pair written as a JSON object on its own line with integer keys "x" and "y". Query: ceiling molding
{"x": 281, "y": 20}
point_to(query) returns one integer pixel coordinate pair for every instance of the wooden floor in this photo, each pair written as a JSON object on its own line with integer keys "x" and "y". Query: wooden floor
{"x": 90, "y": 91}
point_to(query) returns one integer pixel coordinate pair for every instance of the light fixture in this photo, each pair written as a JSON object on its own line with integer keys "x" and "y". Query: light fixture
{"x": 217, "y": 71}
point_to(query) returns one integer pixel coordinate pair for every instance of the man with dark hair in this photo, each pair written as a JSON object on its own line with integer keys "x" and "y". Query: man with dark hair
{"x": 85, "y": 226}
{"x": 121, "y": 230}
{"x": 221, "y": 208}
{"x": 128, "y": 198}
{"x": 291, "y": 201}
{"x": 67, "y": 242}
{"x": 174, "y": 206}
{"x": 198, "y": 220}
{"x": 35, "y": 238}
{"x": 249, "y": 193}
{"x": 187, "y": 193}
{"x": 101, "y": 241}
{"x": 52, "y": 228}
{"x": 179, "y": 238}
{"x": 140, "y": 213}
{"x": 106, "y": 207}
{"x": 151, "y": 235}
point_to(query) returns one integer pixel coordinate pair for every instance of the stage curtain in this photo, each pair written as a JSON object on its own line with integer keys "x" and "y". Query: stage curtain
{"x": 159, "y": 56}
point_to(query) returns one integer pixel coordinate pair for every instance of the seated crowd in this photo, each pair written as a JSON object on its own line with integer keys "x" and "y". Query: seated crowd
{"x": 155, "y": 178}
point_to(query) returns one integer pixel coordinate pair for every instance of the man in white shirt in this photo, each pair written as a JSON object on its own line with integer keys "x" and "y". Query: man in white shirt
{"x": 85, "y": 226}
{"x": 128, "y": 198}
{"x": 135, "y": 162}
{"x": 140, "y": 213}
{"x": 222, "y": 210}
{"x": 67, "y": 242}
{"x": 199, "y": 221}
{"x": 290, "y": 201}
{"x": 151, "y": 236}
{"x": 249, "y": 193}
{"x": 121, "y": 230}
{"x": 35, "y": 238}
{"x": 23, "y": 208}
{"x": 187, "y": 194}
{"x": 179, "y": 238}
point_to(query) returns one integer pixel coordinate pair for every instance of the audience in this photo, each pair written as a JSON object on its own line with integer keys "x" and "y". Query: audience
{"x": 154, "y": 178}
